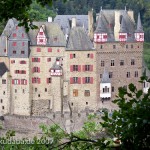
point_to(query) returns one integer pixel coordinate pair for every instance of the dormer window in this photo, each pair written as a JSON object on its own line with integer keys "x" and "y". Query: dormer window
{"x": 41, "y": 37}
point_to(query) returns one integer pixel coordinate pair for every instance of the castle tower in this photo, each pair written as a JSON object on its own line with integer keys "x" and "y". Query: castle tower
{"x": 123, "y": 31}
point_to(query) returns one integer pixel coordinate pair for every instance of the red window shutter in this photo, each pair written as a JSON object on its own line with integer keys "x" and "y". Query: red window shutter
{"x": 47, "y": 80}
{"x": 79, "y": 68}
{"x": 38, "y": 49}
{"x": 38, "y": 69}
{"x": 71, "y": 68}
{"x": 79, "y": 80}
{"x": 49, "y": 49}
{"x": 12, "y": 81}
{"x": 32, "y": 59}
{"x": 91, "y": 67}
{"x": 18, "y": 81}
{"x": 25, "y": 82}
{"x": 83, "y": 68}
{"x": 32, "y": 70}
{"x": 83, "y": 80}
{"x": 14, "y": 43}
{"x": 71, "y": 80}
{"x": 38, "y": 59}
{"x": 71, "y": 56}
{"x": 91, "y": 80}
{"x": 105, "y": 36}
{"x": 14, "y": 35}
{"x": 91, "y": 56}
{"x": 39, "y": 80}
{"x": 25, "y": 72}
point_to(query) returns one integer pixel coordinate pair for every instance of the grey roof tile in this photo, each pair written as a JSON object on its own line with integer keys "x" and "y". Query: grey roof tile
{"x": 79, "y": 40}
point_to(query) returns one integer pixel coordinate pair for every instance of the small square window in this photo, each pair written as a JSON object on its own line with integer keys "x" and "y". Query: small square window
{"x": 112, "y": 63}
{"x": 1, "y": 101}
{"x": 4, "y": 50}
{"x": 14, "y": 52}
{"x": 3, "y": 92}
{"x": 15, "y": 90}
{"x": 114, "y": 46}
{"x": 112, "y": 89}
{"x": 39, "y": 95}
{"x": 74, "y": 55}
{"x": 101, "y": 75}
{"x": 3, "y": 81}
{"x": 75, "y": 92}
{"x": 3, "y": 107}
{"x": 87, "y": 93}
{"x": 128, "y": 74}
{"x": 48, "y": 59}
{"x": 86, "y": 103}
{"x": 88, "y": 55}
{"x": 22, "y": 52}
{"x": 35, "y": 89}
{"x": 110, "y": 74}
{"x": 121, "y": 62}
{"x": 45, "y": 89}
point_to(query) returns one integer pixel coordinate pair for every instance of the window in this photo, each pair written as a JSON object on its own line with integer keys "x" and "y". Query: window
{"x": 23, "y": 91}
{"x": 22, "y": 62}
{"x": 14, "y": 44}
{"x": 131, "y": 46}
{"x": 87, "y": 67}
{"x": 75, "y": 79}
{"x": 58, "y": 50}
{"x": 49, "y": 80}
{"x": 15, "y": 81}
{"x": 3, "y": 81}
{"x": 86, "y": 103}
{"x": 110, "y": 74}
{"x": 22, "y": 35}
{"x": 2, "y": 107}
{"x": 3, "y": 92}
{"x": 75, "y": 67}
{"x": 71, "y": 104}
{"x": 35, "y": 59}
{"x": 14, "y": 35}
{"x": 121, "y": 62}
{"x": 1, "y": 101}
{"x": 38, "y": 49}
{"x": 126, "y": 46}
{"x": 38, "y": 95}
{"x": 48, "y": 59}
{"x": 15, "y": 90}
{"x": 128, "y": 74}
{"x": 87, "y": 93}
{"x": 45, "y": 89}
{"x": 114, "y": 46}
{"x": 41, "y": 40}
{"x": 102, "y": 63}
{"x": 14, "y": 52}
{"x": 36, "y": 69}
{"x": 136, "y": 74}
{"x": 22, "y": 52}
{"x": 112, "y": 89}
{"x": 12, "y": 61}
{"x": 36, "y": 80}
{"x": 35, "y": 89}
{"x": 75, "y": 92}
{"x": 101, "y": 75}
{"x": 74, "y": 55}
{"x": 22, "y": 43}
{"x": 4, "y": 50}
{"x": 132, "y": 62}
{"x": 41, "y": 33}
{"x": 23, "y": 81}
{"x": 112, "y": 62}
{"x": 101, "y": 46}
{"x": 88, "y": 55}
{"x": 105, "y": 90}
{"x": 16, "y": 71}
{"x": 87, "y": 79}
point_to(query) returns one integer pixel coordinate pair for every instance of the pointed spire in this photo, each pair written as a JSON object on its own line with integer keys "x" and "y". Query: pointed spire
{"x": 100, "y": 26}
{"x": 101, "y": 8}
{"x": 139, "y": 24}
{"x": 123, "y": 28}
{"x": 105, "y": 77}
{"x": 125, "y": 8}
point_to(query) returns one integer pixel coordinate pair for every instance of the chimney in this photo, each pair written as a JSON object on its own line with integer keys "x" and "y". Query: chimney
{"x": 74, "y": 21}
{"x": 90, "y": 24}
{"x": 50, "y": 19}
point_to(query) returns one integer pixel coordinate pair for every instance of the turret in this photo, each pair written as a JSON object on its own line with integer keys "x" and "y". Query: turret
{"x": 105, "y": 86}
{"x": 100, "y": 34}
{"x": 56, "y": 69}
{"x": 139, "y": 33}
{"x": 123, "y": 31}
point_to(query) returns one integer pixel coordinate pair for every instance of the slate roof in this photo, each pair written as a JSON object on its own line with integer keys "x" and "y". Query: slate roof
{"x": 2, "y": 46}
{"x": 79, "y": 40}
{"x": 65, "y": 22}
{"x": 3, "y": 68}
{"x": 139, "y": 24}
{"x": 55, "y": 36}
{"x": 106, "y": 23}
{"x": 105, "y": 77}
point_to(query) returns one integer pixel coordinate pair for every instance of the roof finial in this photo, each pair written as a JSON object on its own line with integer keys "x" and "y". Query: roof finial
{"x": 125, "y": 8}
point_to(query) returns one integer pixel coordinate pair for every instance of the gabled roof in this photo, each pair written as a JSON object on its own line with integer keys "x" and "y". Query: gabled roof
{"x": 3, "y": 68}
{"x": 55, "y": 36}
{"x": 79, "y": 40}
{"x": 105, "y": 77}
{"x": 65, "y": 21}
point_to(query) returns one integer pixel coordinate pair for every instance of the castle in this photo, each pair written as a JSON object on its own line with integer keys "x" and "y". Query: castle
{"x": 69, "y": 64}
